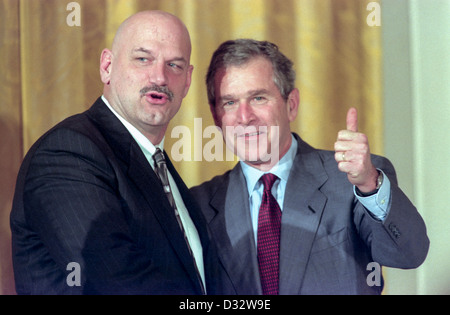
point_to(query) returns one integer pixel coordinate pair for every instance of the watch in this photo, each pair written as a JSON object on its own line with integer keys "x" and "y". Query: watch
{"x": 379, "y": 183}
{"x": 379, "y": 180}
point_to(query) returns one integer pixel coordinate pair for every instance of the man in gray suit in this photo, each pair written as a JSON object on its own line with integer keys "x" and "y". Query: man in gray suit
{"x": 324, "y": 220}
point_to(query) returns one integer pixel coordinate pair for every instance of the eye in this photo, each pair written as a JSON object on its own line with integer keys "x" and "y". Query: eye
{"x": 142, "y": 59}
{"x": 175, "y": 66}
{"x": 259, "y": 99}
{"x": 229, "y": 103}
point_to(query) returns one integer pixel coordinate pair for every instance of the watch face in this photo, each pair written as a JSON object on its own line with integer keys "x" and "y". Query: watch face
{"x": 380, "y": 180}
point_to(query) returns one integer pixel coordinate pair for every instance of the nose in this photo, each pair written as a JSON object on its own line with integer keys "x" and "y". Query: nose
{"x": 157, "y": 74}
{"x": 245, "y": 113}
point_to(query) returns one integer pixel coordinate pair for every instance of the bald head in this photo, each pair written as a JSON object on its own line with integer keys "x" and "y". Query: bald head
{"x": 159, "y": 23}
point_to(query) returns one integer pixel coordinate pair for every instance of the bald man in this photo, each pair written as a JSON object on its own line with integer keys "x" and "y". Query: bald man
{"x": 95, "y": 210}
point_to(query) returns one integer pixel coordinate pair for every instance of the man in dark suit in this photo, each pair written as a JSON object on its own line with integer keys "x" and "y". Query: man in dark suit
{"x": 289, "y": 218}
{"x": 90, "y": 214}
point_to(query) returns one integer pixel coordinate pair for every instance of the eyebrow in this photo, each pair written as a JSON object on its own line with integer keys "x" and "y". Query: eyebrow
{"x": 250, "y": 93}
{"x": 141, "y": 49}
{"x": 257, "y": 92}
{"x": 149, "y": 52}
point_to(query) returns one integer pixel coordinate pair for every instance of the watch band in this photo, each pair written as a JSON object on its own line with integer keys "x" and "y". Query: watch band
{"x": 373, "y": 192}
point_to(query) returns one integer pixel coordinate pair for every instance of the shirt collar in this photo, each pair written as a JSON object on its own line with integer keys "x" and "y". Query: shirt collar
{"x": 146, "y": 145}
{"x": 282, "y": 169}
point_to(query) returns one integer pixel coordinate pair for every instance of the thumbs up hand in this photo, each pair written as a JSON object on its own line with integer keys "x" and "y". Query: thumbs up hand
{"x": 353, "y": 155}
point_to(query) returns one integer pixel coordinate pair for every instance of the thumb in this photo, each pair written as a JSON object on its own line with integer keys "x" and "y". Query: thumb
{"x": 352, "y": 120}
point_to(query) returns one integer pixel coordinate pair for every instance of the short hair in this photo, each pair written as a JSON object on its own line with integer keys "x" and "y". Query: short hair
{"x": 240, "y": 51}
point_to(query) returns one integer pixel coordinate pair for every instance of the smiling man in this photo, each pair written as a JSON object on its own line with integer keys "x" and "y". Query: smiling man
{"x": 97, "y": 191}
{"x": 250, "y": 102}
{"x": 307, "y": 221}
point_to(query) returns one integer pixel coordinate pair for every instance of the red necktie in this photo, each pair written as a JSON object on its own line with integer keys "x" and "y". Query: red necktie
{"x": 269, "y": 226}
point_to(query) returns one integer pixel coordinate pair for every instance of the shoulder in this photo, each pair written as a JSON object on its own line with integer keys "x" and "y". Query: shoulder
{"x": 72, "y": 134}
{"x": 210, "y": 188}
{"x": 79, "y": 132}
{"x": 75, "y": 141}
{"x": 211, "y": 195}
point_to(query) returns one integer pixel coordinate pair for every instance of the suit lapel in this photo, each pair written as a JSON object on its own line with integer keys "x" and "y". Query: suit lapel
{"x": 302, "y": 211}
{"x": 237, "y": 250}
{"x": 145, "y": 179}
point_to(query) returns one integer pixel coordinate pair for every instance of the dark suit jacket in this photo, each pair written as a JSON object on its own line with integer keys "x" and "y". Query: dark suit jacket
{"x": 327, "y": 237}
{"x": 86, "y": 194}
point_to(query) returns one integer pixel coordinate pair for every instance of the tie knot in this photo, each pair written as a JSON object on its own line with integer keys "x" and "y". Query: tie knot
{"x": 158, "y": 157}
{"x": 268, "y": 181}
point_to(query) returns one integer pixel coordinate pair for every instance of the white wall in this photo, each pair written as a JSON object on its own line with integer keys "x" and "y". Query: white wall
{"x": 416, "y": 38}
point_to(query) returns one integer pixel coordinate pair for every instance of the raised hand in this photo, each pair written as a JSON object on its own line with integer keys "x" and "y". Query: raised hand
{"x": 353, "y": 155}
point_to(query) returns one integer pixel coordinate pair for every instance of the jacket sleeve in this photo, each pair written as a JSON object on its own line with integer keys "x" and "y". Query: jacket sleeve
{"x": 71, "y": 203}
{"x": 400, "y": 240}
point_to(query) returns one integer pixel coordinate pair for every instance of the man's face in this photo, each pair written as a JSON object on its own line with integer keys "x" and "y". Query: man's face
{"x": 150, "y": 74}
{"x": 249, "y": 104}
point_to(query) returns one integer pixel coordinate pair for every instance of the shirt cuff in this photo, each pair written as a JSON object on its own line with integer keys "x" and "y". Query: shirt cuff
{"x": 379, "y": 203}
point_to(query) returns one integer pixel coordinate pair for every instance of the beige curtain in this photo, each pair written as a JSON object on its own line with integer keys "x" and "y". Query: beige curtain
{"x": 49, "y": 70}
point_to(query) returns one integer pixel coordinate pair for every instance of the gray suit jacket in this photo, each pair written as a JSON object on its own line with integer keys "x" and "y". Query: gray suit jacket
{"x": 327, "y": 237}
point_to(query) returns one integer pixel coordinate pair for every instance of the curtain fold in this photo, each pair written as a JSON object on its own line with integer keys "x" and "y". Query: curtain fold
{"x": 10, "y": 130}
{"x": 50, "y": 70}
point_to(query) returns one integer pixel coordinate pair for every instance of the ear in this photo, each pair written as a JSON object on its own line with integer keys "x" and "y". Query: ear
{"x": 106, "y": 65}
{"x": 293, "y": 104}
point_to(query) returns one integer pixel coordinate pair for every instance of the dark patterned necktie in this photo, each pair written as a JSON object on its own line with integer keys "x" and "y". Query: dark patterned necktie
{"x": 269, "y": 226}
{"x": 161, "y": 172}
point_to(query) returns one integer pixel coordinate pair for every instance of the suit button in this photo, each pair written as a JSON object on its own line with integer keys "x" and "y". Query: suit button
{"x": 393, "y": 228}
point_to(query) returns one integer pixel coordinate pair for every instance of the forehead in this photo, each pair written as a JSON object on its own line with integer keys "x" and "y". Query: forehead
{"x": 155, "y": 35}
{"x": 257, "y": 74}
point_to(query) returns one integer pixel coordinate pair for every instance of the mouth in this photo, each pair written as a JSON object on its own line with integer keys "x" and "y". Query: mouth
{"x": 250, "y": 135}
{"x": 157, "y": 98}
{"x": 157, "y": 95}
